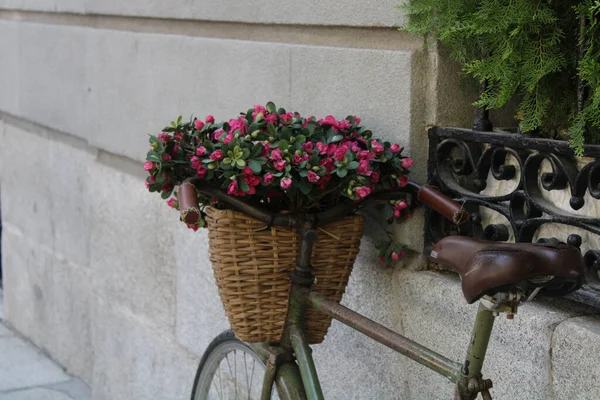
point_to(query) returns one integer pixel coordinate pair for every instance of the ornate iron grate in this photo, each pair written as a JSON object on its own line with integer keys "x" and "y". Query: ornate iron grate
{"x": 519, "y": 189}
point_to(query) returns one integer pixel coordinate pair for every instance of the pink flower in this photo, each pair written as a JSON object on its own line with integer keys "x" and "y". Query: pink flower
{"x": 286, "y": 183}
{"x": 217, "y": 155}
{"x": 344, "y": 124}
{"x": 233, "y": 188}
{"x": 178, "y": 136}
{"x": 218, "y": 134}
{"x": 322, "y": 148}
{"x": 276, "y": 155}
{"x": 164, "y": 137}
{"x": 395, "y": 255}
{"x": 395, "y": 148}
{"x": 312, "y": 177}
{"x": 201, "y": 151}
{"x": 176, "y": 148}
{"x": 363, "y": 168}
{"x": 377, "y": 147}
{"x": 324, "y": 181}
{"x": 152, "y": 178}
{"x": 357, "y": 120}
{"x": 268, "y": 178}
{"x": 362, "y": 191}
{"x": 340, "y": 153}
{"x": 407, "y": 163}
{"x": 307, "y": 146}
{"x": 210, "y": 119}
{"x": 171, "y": 202}
{"x": 328, "y": 164}
{"x": 397, "y": 213}
{"x": 196, "y": 162}
{"x": 149, "y": 165}
{"x": 238, "y": 124}
{"x": 401, "y": 205}
{"x": 355, "y": 147}
{"x": 329, "y": 120}
{"x": 286, "y": 117}
{"x": 271, "y": 119}
{"x": 375, "y": 177}
{"x": 366, "y": 155}
{"x": 279, "y": 165}
{"x": 198, "y": 124}
{"x": 201, "y": 172}
{"x": 402, "y": 181}
{"x": 166, "y": 157}
{"x": 147, "y": 184}
{"x": 252, "y": 181}
{"x": 228, "y": 138}
{"x": 258, "y": 109}
{"x": 247, "y": 171}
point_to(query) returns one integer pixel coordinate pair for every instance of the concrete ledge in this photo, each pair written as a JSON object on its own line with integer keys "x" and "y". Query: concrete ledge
{"x": 519, "y": 359}
{"x": 308, "y": 12}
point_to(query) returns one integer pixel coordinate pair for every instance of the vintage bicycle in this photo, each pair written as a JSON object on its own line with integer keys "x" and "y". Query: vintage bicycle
{"x": 500, "y": 276}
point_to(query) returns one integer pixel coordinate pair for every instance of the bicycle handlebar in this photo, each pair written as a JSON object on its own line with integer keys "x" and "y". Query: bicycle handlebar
{"x": 188, "y": 205}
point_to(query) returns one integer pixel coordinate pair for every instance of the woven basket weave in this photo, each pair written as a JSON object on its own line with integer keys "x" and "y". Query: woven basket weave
{"x": 252, "y": 268}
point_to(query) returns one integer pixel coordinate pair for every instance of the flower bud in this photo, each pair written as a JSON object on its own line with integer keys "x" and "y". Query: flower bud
{"x": 247, "y": 138}
{"x": 237, "y": 136}
{"x": 255, "y": 134}
{"x": 259, "y": 117}
{"x": 298, "y": 152}
{"x": 212, "y": 165}
{"x": 292, "y": 139}
{"x": 316, "y": 168}
{"x": 308, "y": 166}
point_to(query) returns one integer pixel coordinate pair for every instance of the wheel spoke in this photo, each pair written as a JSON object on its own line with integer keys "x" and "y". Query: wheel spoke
{"x": 235, "y": 373}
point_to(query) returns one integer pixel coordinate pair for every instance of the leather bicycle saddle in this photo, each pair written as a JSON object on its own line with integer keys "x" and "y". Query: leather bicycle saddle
{"x": 487, "y": 267}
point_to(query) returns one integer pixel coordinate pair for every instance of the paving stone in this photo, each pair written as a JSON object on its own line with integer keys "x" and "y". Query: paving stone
{"x": 4, "y": 331}
{"x": 575, "y": 349}
{"x": 36, "y": 394}
{"x": 47, "y": 300}
{"x": 75, "y": 388}
{"x": 23, "y": 366}
{"x": 135, "y": 361}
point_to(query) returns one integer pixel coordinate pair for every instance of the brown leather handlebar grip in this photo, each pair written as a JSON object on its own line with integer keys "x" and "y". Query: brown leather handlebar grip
{"x": 188, "y": 204}
{"x": 442, "y": 204}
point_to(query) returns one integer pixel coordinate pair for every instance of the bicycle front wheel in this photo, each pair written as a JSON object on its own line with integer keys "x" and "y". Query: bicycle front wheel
{"x": 229, "y": 370}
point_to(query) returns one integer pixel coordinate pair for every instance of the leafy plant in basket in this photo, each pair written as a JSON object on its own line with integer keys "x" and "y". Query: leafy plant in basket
{"x": 281, "y": 161}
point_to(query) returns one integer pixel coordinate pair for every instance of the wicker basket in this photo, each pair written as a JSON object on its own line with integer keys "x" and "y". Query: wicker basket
{"x": 252, "y": 268}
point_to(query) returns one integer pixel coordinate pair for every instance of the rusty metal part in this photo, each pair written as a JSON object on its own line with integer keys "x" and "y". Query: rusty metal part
{"x": 387, "y": 337}
{"x": 450, "y": 209}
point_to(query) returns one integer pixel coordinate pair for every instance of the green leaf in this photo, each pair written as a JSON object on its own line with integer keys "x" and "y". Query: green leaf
{"x": 303, "y": 173}
{"x": 243, "y": 185}
{"x": 179, "y": 120}
{"x": 254, "y": 166}
{"x": 300, "y": 139}
{"x": 272, "y": 130}
{"x": 283, "y": 144}
{"x": 245, "y": 153}
{"x": 152, "y": 157}
{"x": 166, "y": 194}
{"x": 271, "y": 107}
{"x": 305, "y": 187}
{"x": 341, "y": 172}
{"x": 352, "y": 165}
{"x": 256, "y": 150}
{"x": 260, "y": 160}
{"x": 336, "y": 138}
{"x": 241, "y": 164}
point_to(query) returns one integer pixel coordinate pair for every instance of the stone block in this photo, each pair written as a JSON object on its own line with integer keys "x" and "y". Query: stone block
{"x": 46, "y": 197}
{"x": 132, "y": 253}
{"x": 135, "y": 361}
{"x": 9, "y": 66}
{"x": 575, "y": 347}
{"x": 52, "y": 77}
{"x": 47, "y": 300}
{"x": 160, "y": 77}
{"x": 373, "y": 84}
{"x": 350, "y": 365}
{"x": 435, "y": 314}
{"x": 307, "y": 12}
{"x": 35, "y": 394}
{"x": 76, "y": 6}
{"x": 21, "y": 366}
{"x": 200, "y": 314}
{"x": 4, "y": 331}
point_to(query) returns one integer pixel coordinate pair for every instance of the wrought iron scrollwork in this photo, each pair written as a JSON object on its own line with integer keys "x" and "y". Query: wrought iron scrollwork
{"x": 543, "y": 184}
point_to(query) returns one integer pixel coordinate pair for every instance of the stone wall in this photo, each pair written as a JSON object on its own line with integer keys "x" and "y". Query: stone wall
{"x": 101, "y": 274}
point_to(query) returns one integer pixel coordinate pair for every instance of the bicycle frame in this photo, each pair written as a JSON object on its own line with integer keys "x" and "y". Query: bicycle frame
{"x": 467, "y": 376}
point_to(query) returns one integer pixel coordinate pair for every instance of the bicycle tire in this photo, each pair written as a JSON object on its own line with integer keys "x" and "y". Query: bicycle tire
{"x": 209, "y": 368}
